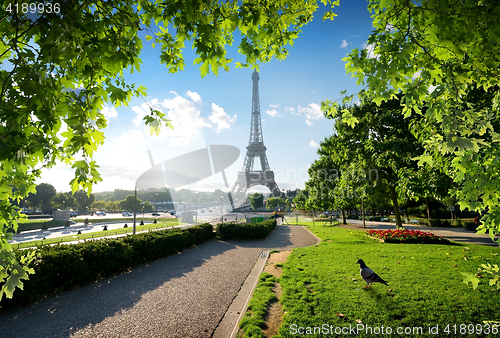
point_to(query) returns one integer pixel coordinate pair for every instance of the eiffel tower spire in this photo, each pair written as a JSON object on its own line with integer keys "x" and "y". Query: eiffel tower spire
{"x": 250, "y": 177}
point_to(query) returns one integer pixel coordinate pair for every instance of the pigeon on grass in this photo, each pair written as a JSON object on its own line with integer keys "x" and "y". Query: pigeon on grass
{"x": 368, "y": 275}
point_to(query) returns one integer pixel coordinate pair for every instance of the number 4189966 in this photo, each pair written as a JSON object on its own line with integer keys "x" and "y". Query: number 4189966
{"x": 39, "y": 8}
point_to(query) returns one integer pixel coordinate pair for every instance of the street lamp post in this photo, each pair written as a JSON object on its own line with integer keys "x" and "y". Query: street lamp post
{"x": 63, "y": 205}
{"x": 156, "y": 202}
{"x": 221, "y": 210}
{"x": 196, "y": 208}
{"x": 135, "y": 205}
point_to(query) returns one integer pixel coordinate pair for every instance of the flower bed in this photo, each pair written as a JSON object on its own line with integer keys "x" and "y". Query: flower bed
{"x": 407, "y": 236}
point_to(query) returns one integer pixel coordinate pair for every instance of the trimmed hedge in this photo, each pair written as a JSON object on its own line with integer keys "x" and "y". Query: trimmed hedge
{"x": 62, "y": 267}
{"x": 245, "y": 230}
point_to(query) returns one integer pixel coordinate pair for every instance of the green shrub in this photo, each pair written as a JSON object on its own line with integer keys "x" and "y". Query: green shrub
{"x": 86, "y": 221}
{"x": 435, "y": 223}
{"x": 423, "y": 222}
{"x": 44, "y": 226}
{"x": 155, "y": 221}
{"x": 470, "y": 226}
{"x": 79, "y": 232}
{"x": 446, "y": 223}
{"x": 245, "y": 230}
{"x": 142, "y": 222}
{"x": 125, "y": 226}
{"x": 105, "y": 228}
{"x": 61, "y": 267}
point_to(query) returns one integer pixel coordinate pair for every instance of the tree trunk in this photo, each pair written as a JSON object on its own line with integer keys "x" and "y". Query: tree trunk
{"x": 394, "y": 198}
{"x": 428, "y": 208}
{"x": 343, "y": 217}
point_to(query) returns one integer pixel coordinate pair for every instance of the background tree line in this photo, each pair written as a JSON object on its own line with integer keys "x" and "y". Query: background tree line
{"x": 46, "y": 199}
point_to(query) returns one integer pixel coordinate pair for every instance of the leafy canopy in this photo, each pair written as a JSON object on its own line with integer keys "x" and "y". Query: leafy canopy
{"x": 443, "y": 56}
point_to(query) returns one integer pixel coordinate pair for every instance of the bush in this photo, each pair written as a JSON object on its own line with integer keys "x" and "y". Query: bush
{"x": 142, "y": 223}
{"x": 125, "y": 226}
{"x": 245, "y": 231}
{"x": 44, "y": 226}
{"x": 105, "y": 228}
{"x": 86, "y": 221}
{"x": 79, "y": 232}
{"x": 470, "y": 226}
{"x": 435, "y": 223}
{"x": 154, "y": 222}
{"x": 446, "y": 223}
{"x": 61, "y": 267}
{"x": 423, "y": 222}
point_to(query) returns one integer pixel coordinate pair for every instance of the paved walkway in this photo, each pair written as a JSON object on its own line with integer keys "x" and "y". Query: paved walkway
{"x": 184, "y": 295}
{"x": 456, "y": 234}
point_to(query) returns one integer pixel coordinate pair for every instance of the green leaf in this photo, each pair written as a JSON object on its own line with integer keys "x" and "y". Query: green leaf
{"x": 204, "y": 68}
{"x": 348, "y": 118}
{"x": 470, "y": 278}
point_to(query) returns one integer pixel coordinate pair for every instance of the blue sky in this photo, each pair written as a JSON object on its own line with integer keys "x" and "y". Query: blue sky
{"x": 217, "y": 109}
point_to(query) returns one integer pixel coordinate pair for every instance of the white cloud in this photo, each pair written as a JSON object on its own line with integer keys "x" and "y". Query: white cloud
{"x": 143, "y": 110}
{"x": 109, "y": 112}
{"x": 273, "y": 113}
{"x": 312, "y": 111}
{"x": 183, "y": 114}
{"x": 344, "y": 43}
{"x": 370, "y": 48}
{"x": 221, "y": 118}
{"x": 291, "y": 110}
{"x": 274, "y": 105}
{"x": 194, "y": 96}
{"x": 313, "y": 144}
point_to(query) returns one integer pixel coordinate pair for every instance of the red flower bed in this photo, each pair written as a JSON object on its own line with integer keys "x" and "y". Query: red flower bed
{"x": 407, "y": 236}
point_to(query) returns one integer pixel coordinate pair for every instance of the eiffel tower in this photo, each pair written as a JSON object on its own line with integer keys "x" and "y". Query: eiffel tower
{"x": 249, "y": 177}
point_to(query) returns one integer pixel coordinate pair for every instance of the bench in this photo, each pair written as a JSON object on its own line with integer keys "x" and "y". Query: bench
{"x": 414, "y": 221}
{"x": 384, "y": 220}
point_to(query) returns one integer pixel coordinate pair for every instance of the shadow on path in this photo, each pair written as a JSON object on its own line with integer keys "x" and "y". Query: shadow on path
{"x": 183, "y": 295}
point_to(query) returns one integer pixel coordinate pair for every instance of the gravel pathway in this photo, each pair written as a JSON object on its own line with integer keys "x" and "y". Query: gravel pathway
{"x": 184, "y": 295}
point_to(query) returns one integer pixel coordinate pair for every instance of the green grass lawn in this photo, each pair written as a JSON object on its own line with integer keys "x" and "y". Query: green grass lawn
{"x": 29, "y": 224}
{"x": 121, "y": 219}
{"x": 96, "y": 234}
{"x": 322, "y": 288}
